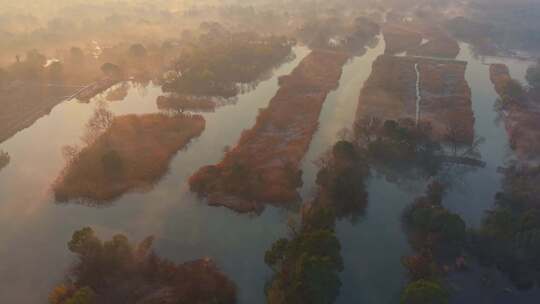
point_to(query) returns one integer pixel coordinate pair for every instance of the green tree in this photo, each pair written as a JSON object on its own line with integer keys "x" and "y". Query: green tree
{"x": 424, "y": 292}
{"x": 82, "y": 296}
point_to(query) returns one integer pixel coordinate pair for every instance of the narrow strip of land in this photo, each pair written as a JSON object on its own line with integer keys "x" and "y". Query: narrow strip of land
{"x": 521, "y": 114}
{"x": 398, "y": 84}
{"x": 264, "y": 166}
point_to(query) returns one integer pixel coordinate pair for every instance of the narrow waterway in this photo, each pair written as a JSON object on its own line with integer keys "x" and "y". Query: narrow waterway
{"x": 338, "y": 114}
{"x": 475, "y": 191}
{"x": 372, "y": 246}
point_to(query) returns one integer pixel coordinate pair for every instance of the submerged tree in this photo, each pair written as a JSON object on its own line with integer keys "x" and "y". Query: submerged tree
{"x": 219, "y": 61}
{"x": 402, "y": 150}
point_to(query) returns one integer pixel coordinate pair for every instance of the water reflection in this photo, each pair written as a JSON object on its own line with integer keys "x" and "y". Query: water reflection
{"x": 439, "y": 239}
{"x": 263, "y": 167}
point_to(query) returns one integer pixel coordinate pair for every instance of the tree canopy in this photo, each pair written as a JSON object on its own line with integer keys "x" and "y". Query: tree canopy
{"x": 118, "y": 271}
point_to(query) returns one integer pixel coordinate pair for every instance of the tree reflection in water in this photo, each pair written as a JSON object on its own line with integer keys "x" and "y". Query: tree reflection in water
{"x": 404, "y": 152}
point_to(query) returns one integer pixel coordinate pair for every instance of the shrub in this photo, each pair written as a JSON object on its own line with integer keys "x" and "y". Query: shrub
{"x": 424, "y": 292}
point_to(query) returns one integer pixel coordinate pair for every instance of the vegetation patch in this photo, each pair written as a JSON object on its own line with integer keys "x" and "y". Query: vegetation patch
{"x": 438, "y": 238}
{"x": 307, "y": 265}
{"x": 218, "y": 61}
{"x": 132, "y": 153}
{"x": 263, "y": 167}
{"x": 118, "y": 271}
{"x": 339, "y": 33}
{"x": 419, "y": 38}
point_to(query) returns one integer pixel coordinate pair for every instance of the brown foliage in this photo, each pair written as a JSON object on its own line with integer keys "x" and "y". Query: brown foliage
{"x": 133, "y": 153}
{"x": 263, "y": 167}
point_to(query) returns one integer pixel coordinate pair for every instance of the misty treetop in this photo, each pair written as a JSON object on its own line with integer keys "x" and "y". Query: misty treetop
{"x": 216, "y": 62}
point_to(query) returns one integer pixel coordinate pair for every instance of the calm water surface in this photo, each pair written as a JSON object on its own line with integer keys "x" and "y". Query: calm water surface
{"x": 34, "y": 229}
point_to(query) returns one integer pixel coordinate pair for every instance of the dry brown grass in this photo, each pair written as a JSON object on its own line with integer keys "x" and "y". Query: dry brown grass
{"x": 264, "y": 166}
{"x": 390, "y": 94}
{"x": 141, "y": 149}
{"x": 499, "y": 74}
